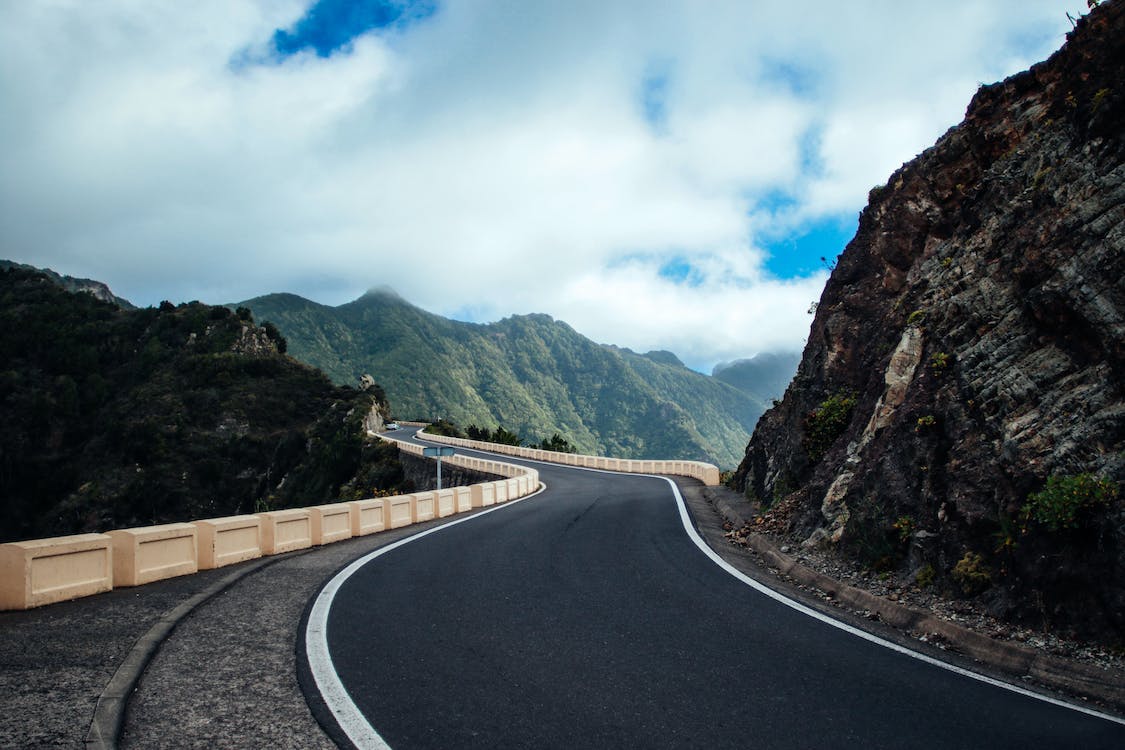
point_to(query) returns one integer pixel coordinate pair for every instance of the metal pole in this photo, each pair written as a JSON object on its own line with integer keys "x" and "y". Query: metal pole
{"x": 439, "y": 472}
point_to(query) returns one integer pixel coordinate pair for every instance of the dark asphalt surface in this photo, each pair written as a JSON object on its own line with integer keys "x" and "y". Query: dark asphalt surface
{"x": 585, "y": 617}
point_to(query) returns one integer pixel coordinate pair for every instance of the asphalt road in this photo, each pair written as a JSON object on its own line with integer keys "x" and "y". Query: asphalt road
{"x": 586, "y": 617}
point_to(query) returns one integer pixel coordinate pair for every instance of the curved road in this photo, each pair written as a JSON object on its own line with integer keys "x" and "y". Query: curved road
{"x": 585, "y": 616}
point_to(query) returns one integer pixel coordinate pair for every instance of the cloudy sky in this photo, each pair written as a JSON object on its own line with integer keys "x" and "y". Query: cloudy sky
{"x": 660, "y": 174}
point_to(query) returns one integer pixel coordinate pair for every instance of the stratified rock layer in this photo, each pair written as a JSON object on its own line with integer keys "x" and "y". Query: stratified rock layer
{"x": 976, "y": 317}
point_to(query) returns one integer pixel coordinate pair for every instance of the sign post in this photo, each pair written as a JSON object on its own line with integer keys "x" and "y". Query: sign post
{"x": 437, "y": 452}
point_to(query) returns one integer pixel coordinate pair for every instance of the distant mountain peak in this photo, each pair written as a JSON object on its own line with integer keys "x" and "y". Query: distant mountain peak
{"x": 383, "y": 290}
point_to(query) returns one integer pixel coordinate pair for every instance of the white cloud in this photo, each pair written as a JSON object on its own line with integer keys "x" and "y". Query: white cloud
{"x": 493, "y": 158}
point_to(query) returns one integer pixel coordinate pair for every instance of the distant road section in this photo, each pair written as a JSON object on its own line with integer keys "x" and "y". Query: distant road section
{"x": 585, "y": 617}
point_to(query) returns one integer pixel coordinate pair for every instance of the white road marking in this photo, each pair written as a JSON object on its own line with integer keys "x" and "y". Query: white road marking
{"x": 332, "y": 690}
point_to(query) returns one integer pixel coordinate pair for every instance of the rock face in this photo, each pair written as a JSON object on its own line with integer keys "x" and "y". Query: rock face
{"x": 969, "y": 345}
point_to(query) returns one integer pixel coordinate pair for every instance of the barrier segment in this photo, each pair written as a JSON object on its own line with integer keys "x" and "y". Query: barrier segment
{"x": 463, "y": 499}
{"x": 399, "y": 510}
{"x": 707, "y": 473}
{"x": 44, "y": 571}
{"x": 368, "y": 516}
{"x": 153, "y": 553}
{"x": 424, "y": 507}
{"x": 445, "y": 503}
{"x": 330, "y": 523}
{"x": 226, "y": 541}
{"x": 285, "y": 530}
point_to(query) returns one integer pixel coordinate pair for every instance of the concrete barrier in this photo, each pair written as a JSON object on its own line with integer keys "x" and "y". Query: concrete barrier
{"x": 444, "y": 503}
{"x": 425, "y": 506}
{"x": 43, "y": 571}
{"x": 153, "y": 553}
{"x": 704, "y": 472}
{"x": 482, "y": 495}
{"x": 286, "y": 530}
{"x": 514, "y": 488}
{"x": 226, "y": 541}
{"x": 399, "y": 510}
{"x": 500, "y": 490}
{"x": 462, "y": 499}
{"x": 368, "y": 516}
{"x": 330, "y": 523}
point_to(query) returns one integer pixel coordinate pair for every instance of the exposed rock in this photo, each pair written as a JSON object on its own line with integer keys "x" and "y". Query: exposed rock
{"x": 978, "y": 316}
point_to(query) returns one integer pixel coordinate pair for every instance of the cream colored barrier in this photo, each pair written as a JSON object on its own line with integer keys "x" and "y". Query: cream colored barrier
{"x": 226, "y": 541}
{"x": 423, "y": 507}
{"x": 482, "y": 495}
{"x": 399, "y": 510}
{"x": 153, "y": 553}
{"x": 286, "y": 530}
{"x": 444, "y": 503}
{"x": 330, "y": 523}
{"x": 704, "y": 472}
{"x": 368, "y": 516}
{"x": 43, "y": 571}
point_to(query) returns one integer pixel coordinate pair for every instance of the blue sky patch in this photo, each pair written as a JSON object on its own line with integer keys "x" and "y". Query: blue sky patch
{"x": 330, "y": 25}
{"x": 799, "y": 253}
{"x": 679, "y": 271}
{"x": 654, "y": 96}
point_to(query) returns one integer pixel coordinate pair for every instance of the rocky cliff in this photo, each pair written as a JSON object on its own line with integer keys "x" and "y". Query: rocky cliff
{"x": 957, "y": 417}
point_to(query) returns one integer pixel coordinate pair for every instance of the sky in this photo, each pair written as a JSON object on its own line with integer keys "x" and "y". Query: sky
{"x": 659, "y": 175}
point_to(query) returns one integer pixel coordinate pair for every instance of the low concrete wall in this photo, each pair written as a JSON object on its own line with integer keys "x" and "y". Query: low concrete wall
{"x": 330, "y": 523}
{"x": 704, "y": 472}
{"x": 399, "y": 511}
{"x": 43, "y": 571}
{"x": 482, "y": 495}
{"x": 153, "y": 553}
{"x": 424, "y": 507}
{"x": 368, "y": 516}
{"x": 445, "y": 503}
{"x": 462, "y": 499}
{"x": 225, "y": 541}
{"x": 286, "y": 530}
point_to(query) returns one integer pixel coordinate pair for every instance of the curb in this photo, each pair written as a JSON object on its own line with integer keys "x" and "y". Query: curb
{"x": 109, "y": 714}
{"x": 1013, "y": 660}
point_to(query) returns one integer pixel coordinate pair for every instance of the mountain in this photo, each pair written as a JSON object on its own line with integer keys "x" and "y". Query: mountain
{"x": 528, "y": 373}
{"x": 72, "y": 284}
{"x": 764, "y": 376}
{"x": 957, "y": 418}
{"x": 114, "y": 418}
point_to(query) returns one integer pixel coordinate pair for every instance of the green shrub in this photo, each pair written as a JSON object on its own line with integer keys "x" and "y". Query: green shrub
{"x": 905, "y": 527}
{"x": 925, "y": 423}
{"x": 925, "y": 576}
{"x": 939, "y": 361}
{"x": 972, "y": 574}
{"x": 1064, "y": 502}
{"x": 826, "y": 423}
{"x": 915, "y": 318}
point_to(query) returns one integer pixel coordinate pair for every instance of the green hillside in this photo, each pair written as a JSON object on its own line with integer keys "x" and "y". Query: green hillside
{"x": 114, "y": 418}
{"x": 530, "y": 373}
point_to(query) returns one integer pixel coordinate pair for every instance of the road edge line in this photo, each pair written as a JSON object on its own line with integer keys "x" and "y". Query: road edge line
{"x": 339, "y": 703}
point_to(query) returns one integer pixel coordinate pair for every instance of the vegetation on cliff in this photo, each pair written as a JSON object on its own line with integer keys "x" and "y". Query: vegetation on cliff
{"x": 977, "y": 317}
{"x": 115, "y": 418}
{"x": 530, "y": 373}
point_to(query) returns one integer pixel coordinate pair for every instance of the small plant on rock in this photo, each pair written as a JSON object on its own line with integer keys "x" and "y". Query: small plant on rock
{"x": 826, "y": 423}
{"x": 905, "y": 527}
{"x": 971, "y": 574}
{"x": 924, "y": 578}
{"x": 1067, "y": 501}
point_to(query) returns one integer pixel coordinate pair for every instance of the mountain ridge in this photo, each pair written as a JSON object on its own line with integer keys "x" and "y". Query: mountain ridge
{"x": 529, "y": 373}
